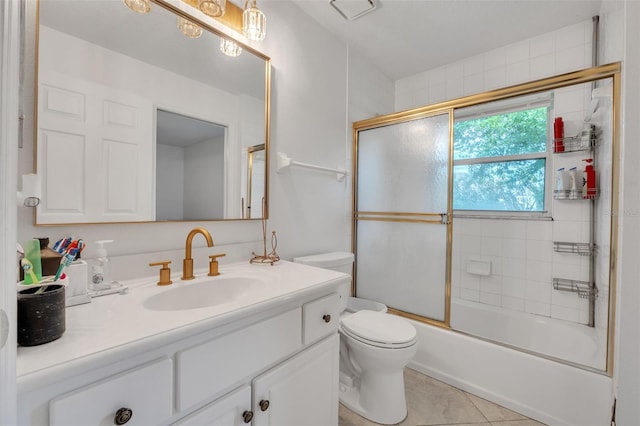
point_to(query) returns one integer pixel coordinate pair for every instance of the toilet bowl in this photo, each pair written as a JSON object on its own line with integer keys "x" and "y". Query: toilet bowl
{"x": 374, "y": 349}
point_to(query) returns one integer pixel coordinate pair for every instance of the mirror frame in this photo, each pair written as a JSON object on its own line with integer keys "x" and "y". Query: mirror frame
{"x": 221, "y": 27}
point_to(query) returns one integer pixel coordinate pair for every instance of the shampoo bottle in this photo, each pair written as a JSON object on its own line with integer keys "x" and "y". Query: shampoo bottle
{"x": 101, "y": 269}
{"x": 589, "y": 179}
{"x": 573, "y": 193}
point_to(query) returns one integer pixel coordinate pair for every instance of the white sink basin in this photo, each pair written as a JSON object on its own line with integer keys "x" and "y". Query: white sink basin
{"x": 216, "y": 291}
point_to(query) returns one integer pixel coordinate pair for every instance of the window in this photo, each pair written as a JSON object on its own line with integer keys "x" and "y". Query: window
{"x": 500, "y": 156}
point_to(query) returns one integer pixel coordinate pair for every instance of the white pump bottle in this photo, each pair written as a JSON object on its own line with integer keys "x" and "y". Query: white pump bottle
{"x": 101, "y": 268}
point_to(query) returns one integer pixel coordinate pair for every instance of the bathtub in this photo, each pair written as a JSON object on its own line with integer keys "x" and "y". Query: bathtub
{"x": 546, "y": 390}
{"x": 564, "y": 340}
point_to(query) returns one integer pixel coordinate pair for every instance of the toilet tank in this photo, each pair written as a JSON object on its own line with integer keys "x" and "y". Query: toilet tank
{"x": 337, "y": 261}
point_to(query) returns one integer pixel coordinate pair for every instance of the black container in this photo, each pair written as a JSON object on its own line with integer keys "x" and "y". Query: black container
{"x": 41, "y": 317}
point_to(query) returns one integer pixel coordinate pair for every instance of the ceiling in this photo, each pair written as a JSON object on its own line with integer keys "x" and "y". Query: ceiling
{"x": 406, "y": 37}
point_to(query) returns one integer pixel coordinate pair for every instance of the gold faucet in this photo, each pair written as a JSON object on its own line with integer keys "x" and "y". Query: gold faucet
{"x": 187, "y": 263}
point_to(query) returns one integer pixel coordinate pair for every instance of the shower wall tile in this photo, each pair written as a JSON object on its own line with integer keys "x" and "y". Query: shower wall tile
{"x": 514, "y": 249}
{"x": 513, "y": 303}
{"x": 471, "y": 295}
{"x": 538, "y": 291}
{"x": 543, "y": 66}
{"x": 538, "y": 308}
{"x": 564, "y": 313}
{"x": 514, "y": 287}
{"x": 490, "y": 299}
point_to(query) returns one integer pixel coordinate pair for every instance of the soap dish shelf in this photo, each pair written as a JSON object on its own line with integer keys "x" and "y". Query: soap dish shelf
{"x": 584, "y": 289}
{"x": 584, "y": 141}
{"x": 583, "y": 249}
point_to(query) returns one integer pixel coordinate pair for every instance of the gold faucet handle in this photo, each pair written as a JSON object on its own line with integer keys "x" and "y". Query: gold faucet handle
{"x": 165, "y": 272}
{"x": 213, "y": 264}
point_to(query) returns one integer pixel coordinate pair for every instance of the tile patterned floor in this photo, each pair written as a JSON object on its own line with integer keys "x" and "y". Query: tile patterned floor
{"x": 435, "y": 403}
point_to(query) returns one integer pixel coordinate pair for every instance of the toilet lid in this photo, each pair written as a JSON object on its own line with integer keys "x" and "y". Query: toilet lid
{"x": 379, "y": 328}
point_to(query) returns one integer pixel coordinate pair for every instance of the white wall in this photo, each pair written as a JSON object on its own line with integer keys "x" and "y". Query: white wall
{"x": 204, "y": 179}
{"x": 169, "y": 182}
{"x": 309, "y": 124}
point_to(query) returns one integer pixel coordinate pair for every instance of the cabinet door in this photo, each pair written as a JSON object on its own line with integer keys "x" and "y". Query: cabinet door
{"x": 302, "y": 391}
{"x": 231, "y": 410}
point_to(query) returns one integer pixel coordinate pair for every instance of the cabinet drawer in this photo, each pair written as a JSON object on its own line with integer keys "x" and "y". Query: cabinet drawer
{"x": 320, "y": 318}
{"x": 146, "y": 391}
{"x": 230, "y": 410}
{"x": 207, "y": 370}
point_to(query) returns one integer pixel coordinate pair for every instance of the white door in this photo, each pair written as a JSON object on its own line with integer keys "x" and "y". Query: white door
{"x": 95, "y": 152}
{"x": 302, "y": 391}
{"x": 9, "y": 97}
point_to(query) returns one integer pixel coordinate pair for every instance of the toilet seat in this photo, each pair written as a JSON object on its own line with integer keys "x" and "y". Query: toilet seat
{"x": 379, "y": 329}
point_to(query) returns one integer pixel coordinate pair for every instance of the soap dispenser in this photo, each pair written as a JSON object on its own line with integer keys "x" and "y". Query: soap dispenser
{"x": 101, "y": 268}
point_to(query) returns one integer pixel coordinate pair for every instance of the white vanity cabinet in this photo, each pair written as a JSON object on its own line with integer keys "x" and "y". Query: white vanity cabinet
{"x": 301, "y": 391}
{"x": 286, "y": 355}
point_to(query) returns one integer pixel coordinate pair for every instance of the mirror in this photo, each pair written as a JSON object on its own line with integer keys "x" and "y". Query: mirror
{"x": 122, "y": 95}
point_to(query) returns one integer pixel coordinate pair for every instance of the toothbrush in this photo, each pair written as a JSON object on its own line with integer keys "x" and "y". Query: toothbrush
{"x": 64, "y": 262}
{"x": 27, "y": 266}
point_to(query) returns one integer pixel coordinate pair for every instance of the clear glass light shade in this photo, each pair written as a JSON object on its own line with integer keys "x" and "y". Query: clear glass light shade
{"x": 230, "y": 48}
{"x": 140, "y": 6}
{"x": 188, "y": 28}
{"x": 254, "y": 23}
{"x": 213, "y": 8}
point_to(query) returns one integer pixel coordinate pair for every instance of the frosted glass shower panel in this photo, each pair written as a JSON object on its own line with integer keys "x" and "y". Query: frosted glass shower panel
{"x": 403, "y": 265}
{"x": 404, "y": 167}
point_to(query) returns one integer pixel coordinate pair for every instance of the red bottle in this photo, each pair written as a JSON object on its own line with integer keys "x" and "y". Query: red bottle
{"x": 558, "y": 135}
{"x": 589, "y": 179}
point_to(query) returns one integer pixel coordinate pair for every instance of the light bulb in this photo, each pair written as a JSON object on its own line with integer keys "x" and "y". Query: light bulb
{"x": 188, "y": 28}
{"x": 230, "y": 48}
{"x": 140, "y": 6}
{"x": 213, "y": 8}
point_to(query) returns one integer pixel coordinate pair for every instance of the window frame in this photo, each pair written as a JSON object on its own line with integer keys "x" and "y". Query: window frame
{"x": 521, "y": 103}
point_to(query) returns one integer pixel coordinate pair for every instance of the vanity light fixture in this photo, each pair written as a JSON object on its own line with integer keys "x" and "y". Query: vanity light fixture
{"x": 188, "y": 28}
{"x": 253, "y": 21}
{"x": 213, "y": 8}
{"x": 230, "y": 48}
{"x": 140, "y": 6}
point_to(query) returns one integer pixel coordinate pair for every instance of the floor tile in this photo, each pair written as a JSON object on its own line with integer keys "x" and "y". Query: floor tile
{"x": 525, "y": 422}
{"x": 431, "y": 402}
{"x": 494, "y": 412}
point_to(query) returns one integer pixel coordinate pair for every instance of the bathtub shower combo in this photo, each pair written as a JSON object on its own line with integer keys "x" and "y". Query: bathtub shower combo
{"x": 438, "y": 240}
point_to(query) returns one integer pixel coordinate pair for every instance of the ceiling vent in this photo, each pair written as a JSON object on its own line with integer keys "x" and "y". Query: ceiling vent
{"x": 353, "y": 9}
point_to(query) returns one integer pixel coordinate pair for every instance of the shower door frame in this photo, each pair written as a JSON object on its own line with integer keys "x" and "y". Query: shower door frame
{"x": 612, "y": 71}
{"x": 408, "y": 217}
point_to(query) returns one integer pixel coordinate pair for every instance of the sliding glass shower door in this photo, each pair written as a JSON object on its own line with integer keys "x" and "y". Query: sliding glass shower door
{"x": 402, "y": 209}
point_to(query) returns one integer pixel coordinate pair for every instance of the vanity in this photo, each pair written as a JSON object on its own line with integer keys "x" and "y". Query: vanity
{"x": 256, "y": 345}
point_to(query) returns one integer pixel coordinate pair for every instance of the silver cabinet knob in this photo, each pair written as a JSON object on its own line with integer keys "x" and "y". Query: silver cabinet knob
{"x": 123, "y": 415}
{"x": 247, "y": 416}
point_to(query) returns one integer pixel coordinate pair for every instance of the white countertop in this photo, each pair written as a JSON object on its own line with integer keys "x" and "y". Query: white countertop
{"x": 97, "y": 330}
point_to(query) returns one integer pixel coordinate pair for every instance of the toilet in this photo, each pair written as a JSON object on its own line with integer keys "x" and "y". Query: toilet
{"x": 374, "y": 349}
